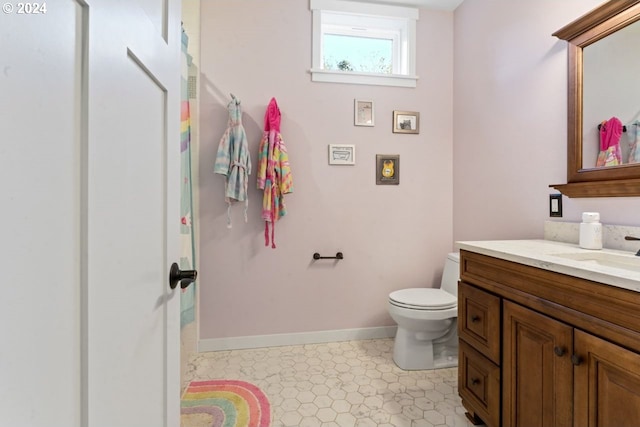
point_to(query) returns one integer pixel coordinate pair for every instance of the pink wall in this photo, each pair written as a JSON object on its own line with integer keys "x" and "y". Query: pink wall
{"x": 392, "y": 237}
{"x": 510, "y": 120}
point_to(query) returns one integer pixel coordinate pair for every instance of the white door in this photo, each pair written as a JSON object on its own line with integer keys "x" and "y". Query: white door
{"x": 89, "y": 180}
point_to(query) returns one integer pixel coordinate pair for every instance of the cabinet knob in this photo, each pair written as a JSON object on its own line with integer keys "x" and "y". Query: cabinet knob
{"x": 475, "y": 318}
{"x": 576, "y": 360}
{"x": 559, "y": 351}
{"x": 475, "y": 381}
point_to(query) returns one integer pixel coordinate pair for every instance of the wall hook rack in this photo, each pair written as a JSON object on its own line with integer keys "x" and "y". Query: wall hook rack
{"x": 624, "y": 128}
{"x": 339, "y": 255}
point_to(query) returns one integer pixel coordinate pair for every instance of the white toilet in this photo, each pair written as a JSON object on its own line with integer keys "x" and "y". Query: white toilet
{"x": 427, "y": 336}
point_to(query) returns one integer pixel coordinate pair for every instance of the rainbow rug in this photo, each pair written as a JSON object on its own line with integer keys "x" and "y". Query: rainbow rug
{"x": 224, "y": 403}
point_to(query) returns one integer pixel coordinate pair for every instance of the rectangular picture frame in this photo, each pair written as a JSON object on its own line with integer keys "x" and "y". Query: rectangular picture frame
{"x": 387, "y": 169}
{"x": 342, "y": 154}
{"x": 363, "y": 113}
{"x": 406, "y": 122}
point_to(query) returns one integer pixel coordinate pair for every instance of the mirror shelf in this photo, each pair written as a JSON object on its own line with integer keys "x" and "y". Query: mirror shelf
{"x": 610, "y": 181}
{"x": 610, "y": 188}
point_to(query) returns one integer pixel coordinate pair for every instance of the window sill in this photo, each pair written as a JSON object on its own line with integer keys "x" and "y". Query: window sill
{"x": 363, "y": 78}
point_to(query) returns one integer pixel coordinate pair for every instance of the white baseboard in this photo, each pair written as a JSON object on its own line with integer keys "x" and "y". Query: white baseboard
{"x": 277, "y": 340}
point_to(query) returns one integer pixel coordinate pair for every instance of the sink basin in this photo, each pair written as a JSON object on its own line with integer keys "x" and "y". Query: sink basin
{"x": 622, "y": 261}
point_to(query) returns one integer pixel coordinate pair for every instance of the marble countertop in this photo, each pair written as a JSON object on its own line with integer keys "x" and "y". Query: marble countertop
{"x": 548, "y": 255}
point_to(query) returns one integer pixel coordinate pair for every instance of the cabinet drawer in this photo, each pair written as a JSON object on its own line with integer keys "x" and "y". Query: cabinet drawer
{"x": 479, "y": 320}
{"x": 479, "y": 385}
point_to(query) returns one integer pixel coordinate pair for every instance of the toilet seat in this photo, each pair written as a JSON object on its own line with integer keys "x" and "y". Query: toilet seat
{"x": 423, "y": 299}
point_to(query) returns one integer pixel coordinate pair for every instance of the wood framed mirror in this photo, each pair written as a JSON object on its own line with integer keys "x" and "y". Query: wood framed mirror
{"x": 586, "y": 36}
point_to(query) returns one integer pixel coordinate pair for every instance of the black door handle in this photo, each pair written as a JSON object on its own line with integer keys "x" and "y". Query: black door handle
{"x": 185, "y": 277}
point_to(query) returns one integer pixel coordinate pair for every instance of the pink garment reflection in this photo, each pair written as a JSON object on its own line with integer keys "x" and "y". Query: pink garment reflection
{"x": 610, "y": 132}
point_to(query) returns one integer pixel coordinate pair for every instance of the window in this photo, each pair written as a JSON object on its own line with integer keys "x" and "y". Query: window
{"x": 363, "y": 43}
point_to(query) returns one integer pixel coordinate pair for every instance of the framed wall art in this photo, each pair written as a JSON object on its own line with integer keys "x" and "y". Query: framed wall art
{"x": 342, "y": 154}
{"x": 363, "y": 113}
{"x": 387, "y": 169}
{"x": 406, "y": 122}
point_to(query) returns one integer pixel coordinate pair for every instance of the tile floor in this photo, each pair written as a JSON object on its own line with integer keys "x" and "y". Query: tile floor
{"x": 352, "y": 383}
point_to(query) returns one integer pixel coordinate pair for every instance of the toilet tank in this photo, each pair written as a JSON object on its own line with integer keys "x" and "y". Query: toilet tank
{"x": 451, "y": 274}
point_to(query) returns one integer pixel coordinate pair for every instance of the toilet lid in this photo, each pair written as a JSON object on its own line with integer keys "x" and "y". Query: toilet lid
{"x": 423, "y": 298}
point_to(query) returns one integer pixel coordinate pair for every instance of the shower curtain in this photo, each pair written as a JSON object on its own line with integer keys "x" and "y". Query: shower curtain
{"x": 187, "y": 257}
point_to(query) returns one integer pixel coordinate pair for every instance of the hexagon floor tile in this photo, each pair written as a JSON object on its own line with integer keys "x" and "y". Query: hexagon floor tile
{"x": 339, "y": 384}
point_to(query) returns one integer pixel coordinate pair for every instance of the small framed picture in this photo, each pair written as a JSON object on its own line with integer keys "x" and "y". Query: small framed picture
{"x": 363, "y": 113}
{"x": 342, "y": 154}
{"x": 406, "y": 122}
{"x": 387, "y": 169}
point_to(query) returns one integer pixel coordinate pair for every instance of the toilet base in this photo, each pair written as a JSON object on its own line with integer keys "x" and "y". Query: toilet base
{"x": 411, "y": 354}
{"x": 445, "y": 356}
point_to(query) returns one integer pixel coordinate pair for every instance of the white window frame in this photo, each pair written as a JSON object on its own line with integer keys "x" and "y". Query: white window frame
{"x": 349, "y": 18}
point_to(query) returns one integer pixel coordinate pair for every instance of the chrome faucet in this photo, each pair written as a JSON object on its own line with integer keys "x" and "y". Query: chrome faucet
{"x": 633, "y": 238}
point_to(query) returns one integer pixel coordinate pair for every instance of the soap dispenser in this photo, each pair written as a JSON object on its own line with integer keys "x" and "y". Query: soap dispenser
{"x": 591, "y": 231}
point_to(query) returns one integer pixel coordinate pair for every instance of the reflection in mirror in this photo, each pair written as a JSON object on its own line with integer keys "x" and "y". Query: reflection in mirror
{"x": 601, "y": 40}
{"x": 611, "y": 68}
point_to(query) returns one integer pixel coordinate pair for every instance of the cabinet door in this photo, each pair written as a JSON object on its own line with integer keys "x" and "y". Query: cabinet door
{"x": 607, "y": 383}
{"x": 537, "y": 370}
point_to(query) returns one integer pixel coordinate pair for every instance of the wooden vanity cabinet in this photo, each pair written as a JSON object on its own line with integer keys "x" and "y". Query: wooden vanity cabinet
{"x": 568, "y": 348}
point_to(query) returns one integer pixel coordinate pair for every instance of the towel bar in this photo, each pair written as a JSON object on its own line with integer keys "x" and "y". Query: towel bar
{"x": 338, "y": 256}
